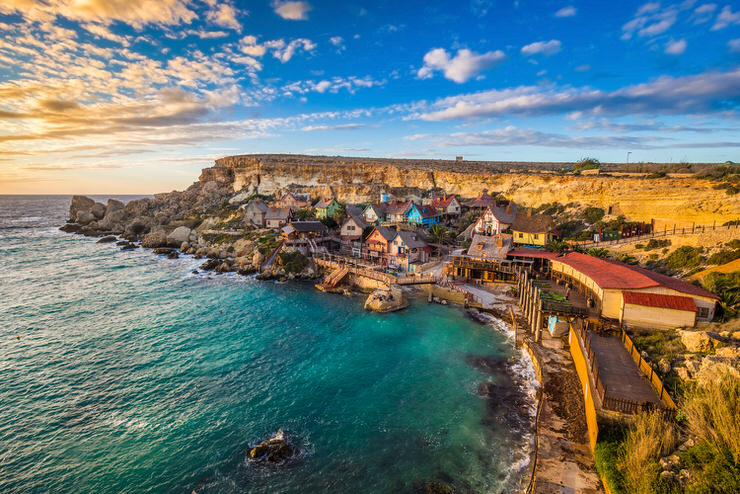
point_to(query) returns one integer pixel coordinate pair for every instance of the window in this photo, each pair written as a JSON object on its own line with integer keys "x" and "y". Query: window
{"x": 703, "y": 312}
{"x": 350, "y": 227}
{"x": 536, "y": 236}
{"x": 521, "y": 235}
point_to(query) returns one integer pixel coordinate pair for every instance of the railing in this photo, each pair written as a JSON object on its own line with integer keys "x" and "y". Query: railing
{"x": 617, "y": 404}
{"x": 694, "y": 229}
{"x": 369, "y": 272}
{"x": 474, "y": 263}
{"x": 648, "y": 371}
{"x": 563, "y": 308}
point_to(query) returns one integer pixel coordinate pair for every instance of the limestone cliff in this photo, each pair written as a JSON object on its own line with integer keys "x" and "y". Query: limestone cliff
{"x": 682, "y": 199}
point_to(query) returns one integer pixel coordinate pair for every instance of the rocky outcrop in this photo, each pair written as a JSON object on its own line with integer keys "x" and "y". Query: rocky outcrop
{"x": 275, "y": 451}
{"x": 178, "y": 236}
{"x": 155, "y": 239}
{"x": 697, "y": 341}
{"x": 353, "y": 180}
{"x": 386, "y": 300}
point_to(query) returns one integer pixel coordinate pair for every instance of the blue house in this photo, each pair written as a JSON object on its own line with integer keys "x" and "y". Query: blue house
{"x": 423, "y": 215}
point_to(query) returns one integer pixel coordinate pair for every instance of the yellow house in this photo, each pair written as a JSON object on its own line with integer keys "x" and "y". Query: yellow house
{"x": 532, "y": 229}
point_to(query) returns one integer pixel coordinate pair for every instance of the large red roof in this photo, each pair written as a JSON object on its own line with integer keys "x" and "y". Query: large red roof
{"x": 658, "y": 300}
{"x": 608, "y": 273}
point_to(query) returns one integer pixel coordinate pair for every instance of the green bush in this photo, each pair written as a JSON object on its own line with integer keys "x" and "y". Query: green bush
{"x": 723, "y": 257}
{"x": 654, "y": 243}
{"x": 685, "y": 257}
{"x": 733, "y": 244}
{"x": 593, "y": 215}
{"x": 293, "y": 262}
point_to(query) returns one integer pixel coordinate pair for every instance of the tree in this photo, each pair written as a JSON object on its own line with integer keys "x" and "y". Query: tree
{"x": 593, "y": 215}
{"x": 303, "y": 214}
{"x": 439, "y": 234}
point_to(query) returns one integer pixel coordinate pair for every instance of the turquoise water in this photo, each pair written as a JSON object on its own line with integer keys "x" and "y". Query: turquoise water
{"x": 132, "y": 374}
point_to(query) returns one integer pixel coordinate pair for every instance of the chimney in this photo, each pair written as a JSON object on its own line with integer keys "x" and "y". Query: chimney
{"x": 508, "y": 208}
{"x": 529, "y": 213}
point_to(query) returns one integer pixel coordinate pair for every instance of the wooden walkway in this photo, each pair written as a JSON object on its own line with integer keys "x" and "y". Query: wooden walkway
{"x": 333, "y": 262}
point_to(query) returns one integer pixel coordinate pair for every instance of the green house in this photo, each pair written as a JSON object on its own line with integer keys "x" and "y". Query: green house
{"x": 326, "y": 208}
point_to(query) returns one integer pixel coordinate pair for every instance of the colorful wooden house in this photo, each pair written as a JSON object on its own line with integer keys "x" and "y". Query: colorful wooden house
{"x": 397, "y": 211}
{"x": 276, "y": 218}
{"x": 254, "y": 213}
{"x": 447, "y": 205}
{"x": 533, "y": 229}
{"x": 294, "y": 201}
{"x": 378, "y": 241}
{"x": 407, "y": 248}
{"x": 375, "y": 213}
{"x": 494, "y": 220}
{"x": 327, "y": 208}
{"x": 423, "y": 215}
{"x": 353, "y": 226}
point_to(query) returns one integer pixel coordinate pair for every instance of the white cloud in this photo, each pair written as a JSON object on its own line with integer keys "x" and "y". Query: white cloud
{"x": 542, "y": 47}
{"x": 460, "y": 68}
{"x": 734, "y": 45}
{"x": 569, "y": 11}
{"x": 583, "y": 68}
{"x": 294, "y": 11}
{"x": 701, "y": 93}
{"x": 703, "y": 13}
{"x": 726, "y": 18}
{"x": 651, "y": 20}
{"x": 280, "y": 49}
{"x": 137, "y": 13}
{"x": 676, "y": 47}
{"x": 336, "y": 40}
{"x": 224, "y": 15}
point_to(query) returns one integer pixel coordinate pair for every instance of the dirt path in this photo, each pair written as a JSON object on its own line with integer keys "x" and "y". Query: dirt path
{"x": 565, "y": 462}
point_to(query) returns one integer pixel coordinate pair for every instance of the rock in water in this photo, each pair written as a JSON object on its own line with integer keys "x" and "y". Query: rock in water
{"x": 386, "y": 300}
{"x": 109, "y": 238}
{"x": 80, "y": 203}
{"x": 178, "y": 236}
{"x": 276, "y": 450}
{"x": 154, "y": 239}
{"x": 438, "y": 488}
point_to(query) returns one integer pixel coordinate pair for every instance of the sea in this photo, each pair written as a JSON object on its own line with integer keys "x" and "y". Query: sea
{"x": 126, "y": 372}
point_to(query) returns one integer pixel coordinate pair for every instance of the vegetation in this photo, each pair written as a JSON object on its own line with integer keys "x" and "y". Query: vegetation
{"x": 330, "y": 222}
{"x": 723, "y": 257}
{"x": 598, "y": 252}
{"x": 550, "y": 208}
{"x": 267, "y": 243}
{"x": 586, "y": 164}
{"x": 439, "y": 234}
{"x": 654, "y": 243}
{"x": 304, "y": 214}
{"x": 557, "y": 246}
{"x": 727, "y": 287}
{"x": 593, "y": 215}
{"x": 569, "y": 228}
{"x": 293, "y": 261}
{"x": 685, "y": 257}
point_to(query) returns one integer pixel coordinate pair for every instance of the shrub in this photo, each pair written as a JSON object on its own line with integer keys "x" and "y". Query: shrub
{"x": 649, "y": 437}
{"x": 569, "y": 228}
{"x": 654, "y": 243}
{"x": 685, "y": 257}
{"x": 598, "y": 252}
{"x": 733, "y": 244}
{"x": 639, "y": 246}
{"x": 723, "y": 257}
{"x": 293, "y": 262}
{"x": 593, "y": 215}
{"x": 586, "y": 164}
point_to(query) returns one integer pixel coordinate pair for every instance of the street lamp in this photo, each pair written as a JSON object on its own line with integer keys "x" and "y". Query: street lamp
{"x": 628, "y": 156}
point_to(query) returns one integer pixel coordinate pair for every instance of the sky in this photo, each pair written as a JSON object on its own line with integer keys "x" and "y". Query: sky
{"x": 136, "y": 96}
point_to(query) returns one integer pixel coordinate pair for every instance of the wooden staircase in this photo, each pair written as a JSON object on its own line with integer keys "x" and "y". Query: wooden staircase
{"x": 333, "y": 279}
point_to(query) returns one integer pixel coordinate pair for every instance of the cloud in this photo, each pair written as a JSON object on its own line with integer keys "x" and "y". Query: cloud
{"x": 676, "y": 47}
{"x": 734, "y": 45}
{"x": 323, "y": 128}
{"x": 224, "y": 15}
{"x": 726, "y": 18}
{"x": 542, "y": 47}
{"x": 651, "y": 20}
{"x": 460, "y": 68}
{"x": 137, "y": 13}
{"x": 566, "y": 12}
{"x": 703, "y": 13}
{"x": 709, "y": 92}
{"x": 583, "y": 68}
{"x": 334, "y": 85}
{"x": 294, "y": 11}
{"x": 281, "y": 50}
{"x": 338, "y": 41}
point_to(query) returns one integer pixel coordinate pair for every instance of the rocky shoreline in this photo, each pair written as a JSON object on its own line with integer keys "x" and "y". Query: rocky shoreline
{"x": 179, "y": 223}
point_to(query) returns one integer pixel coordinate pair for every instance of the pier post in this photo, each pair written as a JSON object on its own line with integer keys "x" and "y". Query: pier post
{"x": 538, "y": 335}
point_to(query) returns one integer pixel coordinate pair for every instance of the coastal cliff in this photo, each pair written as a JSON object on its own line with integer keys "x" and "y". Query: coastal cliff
{"x": 682, "y": 198}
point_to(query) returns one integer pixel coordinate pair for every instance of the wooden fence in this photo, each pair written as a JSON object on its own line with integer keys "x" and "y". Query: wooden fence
{"x": 675, "y": 230}
{"x": 648, "y": 371}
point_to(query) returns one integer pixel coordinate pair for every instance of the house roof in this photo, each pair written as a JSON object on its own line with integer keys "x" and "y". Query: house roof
{"x": 488, "y": 247}
{"x": 277, "y": 214}
{"x": 357, "y": 218}
{"x": 658, "y": 300}
{"x": 427, "y": 211}
{"x": 411, "y": 239}
{"x": 398, "y": 207}
{"x": 501, "y": 214}
{"x": 608, "y": 273}
{"x": 324, "y": 203}
{"x": 379, "y": 208}
{"x": 354, "y": 210}
{"x": 308, "y": 226}
{"x": 534, "y": 223}
{"x": 385, "y": 232}
{"x": 258, "y": 204}
{"x": 443, "y": 201}
{"x": 483, "y": 200}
